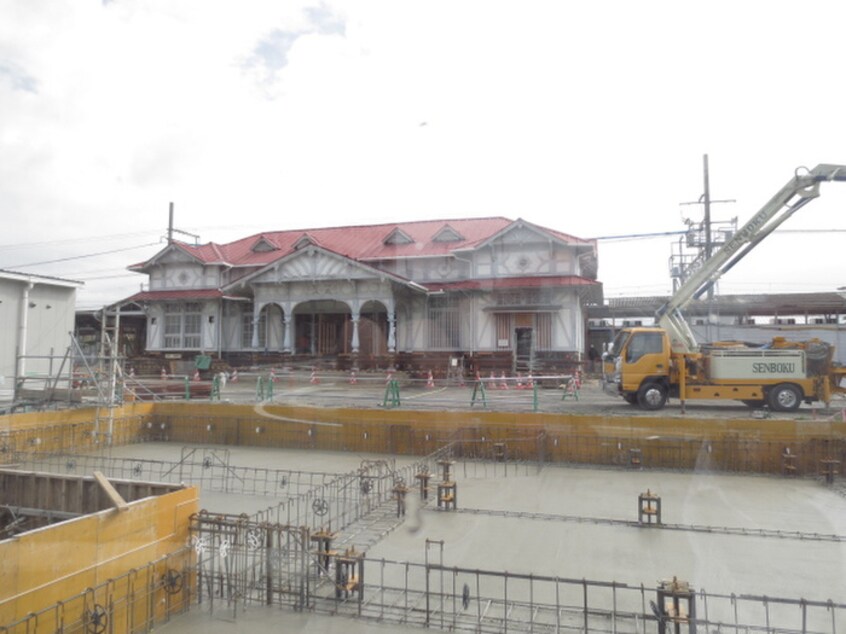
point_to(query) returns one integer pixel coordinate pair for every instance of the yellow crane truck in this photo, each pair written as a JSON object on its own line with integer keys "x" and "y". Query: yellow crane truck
{"x": 647, "y": 365}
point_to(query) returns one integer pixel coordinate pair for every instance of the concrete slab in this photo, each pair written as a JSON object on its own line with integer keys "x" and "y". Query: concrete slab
{"x": 722, "y": 531}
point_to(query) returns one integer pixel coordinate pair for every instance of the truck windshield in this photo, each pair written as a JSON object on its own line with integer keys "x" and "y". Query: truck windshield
{"x": 618, "y": 343}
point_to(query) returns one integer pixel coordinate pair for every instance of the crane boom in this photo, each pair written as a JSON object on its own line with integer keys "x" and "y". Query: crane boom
{"x": 799, "y": 191}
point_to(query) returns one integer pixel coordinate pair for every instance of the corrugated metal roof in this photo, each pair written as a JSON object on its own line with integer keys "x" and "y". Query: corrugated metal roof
{"x": 511, "y": 282}
{"x": 363, "y": 242}
{"x": 196, "y": 293}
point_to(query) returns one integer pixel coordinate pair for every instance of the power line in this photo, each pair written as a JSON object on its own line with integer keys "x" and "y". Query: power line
{"x": 23, "y": 245}
{"x": 81, "y": 257}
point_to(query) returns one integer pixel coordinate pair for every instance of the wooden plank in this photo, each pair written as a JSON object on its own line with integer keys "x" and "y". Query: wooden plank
{"x": 107, "y": 487}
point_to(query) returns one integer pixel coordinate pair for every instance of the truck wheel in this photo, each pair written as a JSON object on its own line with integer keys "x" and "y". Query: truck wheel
{"x": 784, "y": 397}
{"x": 652, "y": 396}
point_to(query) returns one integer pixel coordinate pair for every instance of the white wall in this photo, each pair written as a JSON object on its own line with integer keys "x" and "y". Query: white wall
{"x": 37, "y": 321}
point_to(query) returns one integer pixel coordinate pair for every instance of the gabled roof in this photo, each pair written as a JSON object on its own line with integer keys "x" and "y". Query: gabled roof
{"x": 489, "y": 284}
{"x": 558, "y": 236}
{"x": 363, "y": 242}
{"x": 204, "y": 254}
{"x": 175, "y": 295}
{"x": 306, "y": 241}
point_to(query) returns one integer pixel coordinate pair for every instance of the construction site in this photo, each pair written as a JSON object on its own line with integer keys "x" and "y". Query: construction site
{"x": 254, "y": 512}
{"x": 662, "y": 486}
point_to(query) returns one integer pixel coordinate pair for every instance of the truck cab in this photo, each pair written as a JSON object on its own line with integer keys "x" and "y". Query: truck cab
{"x": 637, "y": 365}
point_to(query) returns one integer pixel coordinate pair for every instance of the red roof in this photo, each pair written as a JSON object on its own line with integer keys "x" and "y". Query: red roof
{"x": 364, "y": 242}
{"x": 511, "y": 282}
{"x": 197, "y": 293}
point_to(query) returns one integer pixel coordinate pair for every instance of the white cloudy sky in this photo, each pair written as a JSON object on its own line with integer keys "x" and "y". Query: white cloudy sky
{"x": 586, "y": 117}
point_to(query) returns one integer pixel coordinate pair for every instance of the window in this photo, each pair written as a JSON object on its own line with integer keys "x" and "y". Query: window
{"x": 447, "y": 234}
{"x": 443, "y": 323}
{"x": 544, "y": 328}
{"x": 503, "y": 330}
{"x": 182, "y": 325}
{"x": 643, "y": 343}
{"x": 247, "y": 329}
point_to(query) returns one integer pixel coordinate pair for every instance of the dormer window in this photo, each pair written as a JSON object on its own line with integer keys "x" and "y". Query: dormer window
{"x": 263, "y": 245}
{"x": 305, "y": 240}
{"x": 447, "y": 234}
{"x": 397, "y": 237}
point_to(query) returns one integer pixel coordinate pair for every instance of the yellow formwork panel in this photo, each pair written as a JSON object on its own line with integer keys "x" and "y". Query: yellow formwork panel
{"x": 57, "y": 562}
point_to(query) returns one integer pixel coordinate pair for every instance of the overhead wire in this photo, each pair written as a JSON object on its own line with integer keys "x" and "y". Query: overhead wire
{"x": 81, "y": 257}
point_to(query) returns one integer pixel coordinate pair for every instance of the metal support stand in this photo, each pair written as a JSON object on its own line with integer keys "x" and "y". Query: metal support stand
{"x": 447, "y": 489}
{"x": 447, "y": 495}
{"x": 323, "y": 539}
{"x": 676, "y": 606}
{"x": 829, "y": 469}
{"x": 423, "y": 477}
{"x": 571, "y": 389}
{"x": 479, "y": 393}
{"x": 392, "y": 394}
{"x": 349, "y": 574}
{"x": 788, "y": 463}
{"x": 649, "y": 506}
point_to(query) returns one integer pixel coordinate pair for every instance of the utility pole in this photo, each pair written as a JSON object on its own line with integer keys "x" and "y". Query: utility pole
{"x": 701, "y": 237}
{"x": 171, "y": 230}
{"x": 706, "y": 199}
